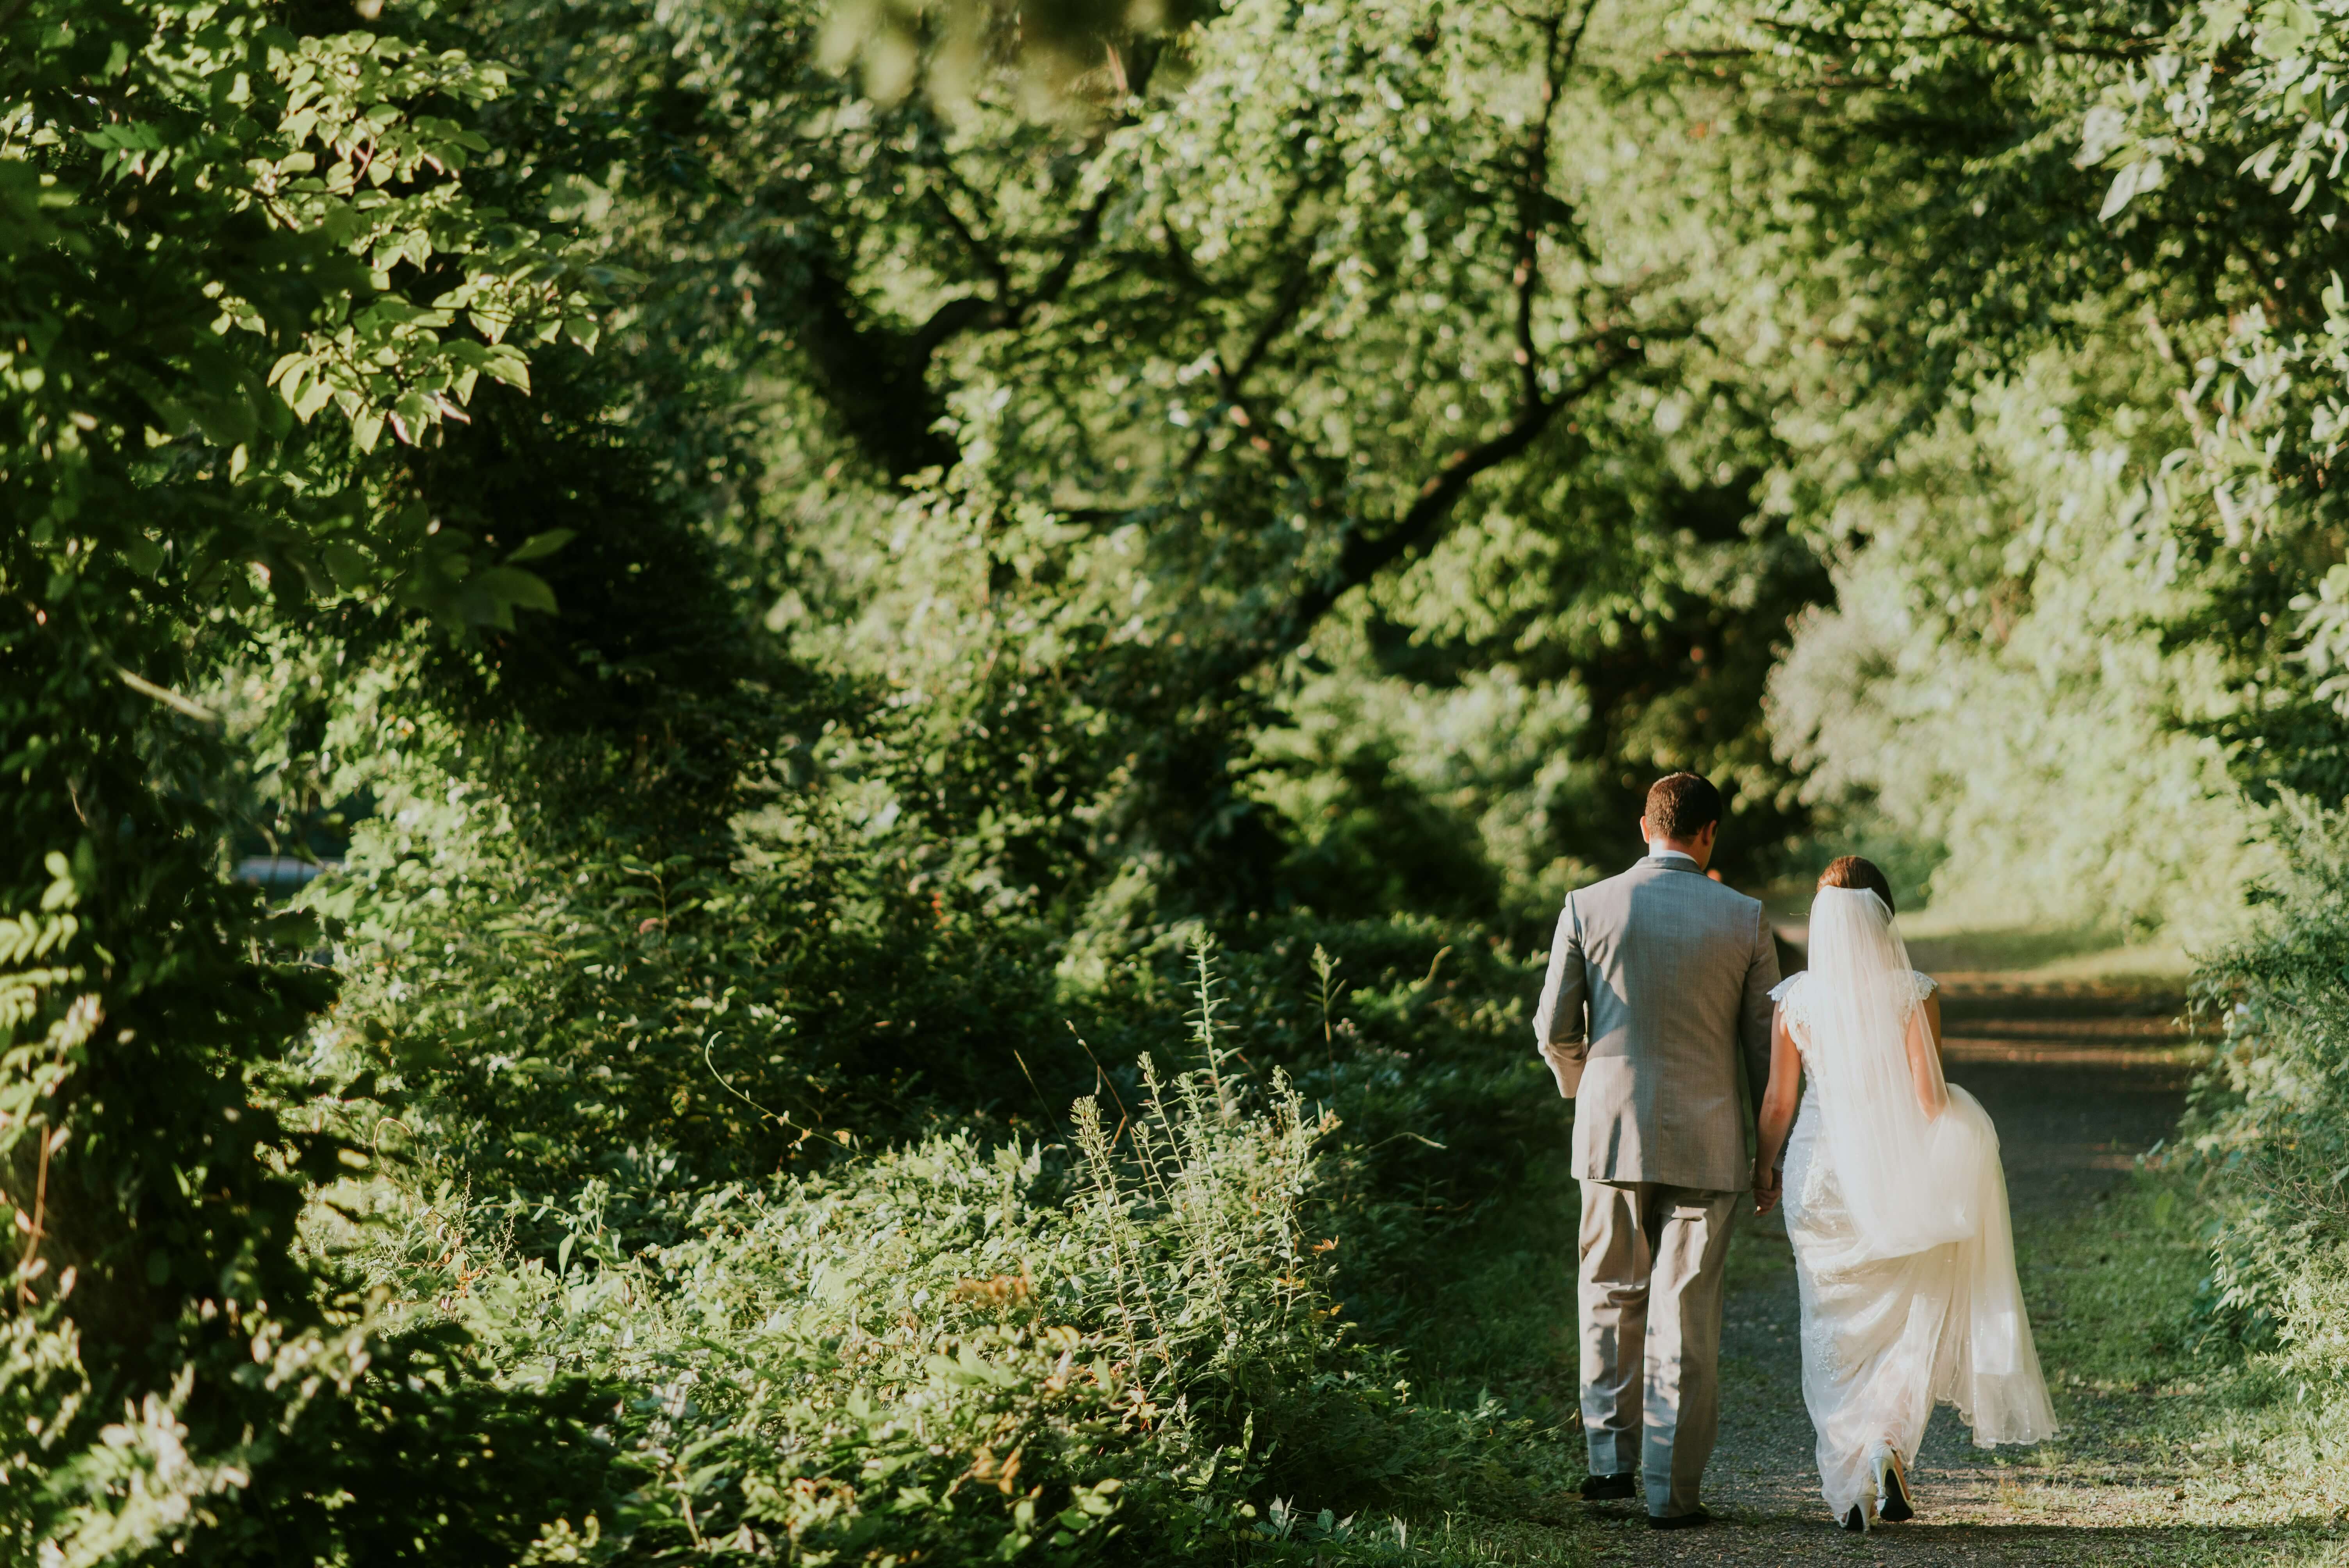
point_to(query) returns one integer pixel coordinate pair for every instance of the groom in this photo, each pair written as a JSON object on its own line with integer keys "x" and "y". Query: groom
{"x": 1659, "y": 988}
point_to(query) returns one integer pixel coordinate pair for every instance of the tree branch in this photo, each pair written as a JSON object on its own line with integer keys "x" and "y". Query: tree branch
{"x": 1363, "y": 554}
{"x": 870, "y": 374}
{"x": 873, "y": 374}
{"x": 950, "y": 320}
{"x": 1232, "y": 380}
{"x": 986, "y": 254}
{"x": 1050, "y": 287}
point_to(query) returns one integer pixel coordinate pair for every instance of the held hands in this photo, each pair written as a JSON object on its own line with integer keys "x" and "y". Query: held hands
{"x": 1766, "y": 1184}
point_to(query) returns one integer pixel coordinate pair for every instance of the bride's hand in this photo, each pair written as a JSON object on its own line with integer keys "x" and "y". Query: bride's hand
{"x": 1766, "y": 1189}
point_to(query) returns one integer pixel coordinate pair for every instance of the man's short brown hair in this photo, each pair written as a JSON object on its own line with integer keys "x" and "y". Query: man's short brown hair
{"x": 1681, "y": 806}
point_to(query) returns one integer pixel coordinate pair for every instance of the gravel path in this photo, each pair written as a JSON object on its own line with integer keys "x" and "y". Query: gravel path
{"x": 2080, "y": 1081}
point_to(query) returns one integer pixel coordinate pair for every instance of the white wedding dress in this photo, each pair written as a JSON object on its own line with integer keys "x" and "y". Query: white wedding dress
{"x": 1897, "y": 1207}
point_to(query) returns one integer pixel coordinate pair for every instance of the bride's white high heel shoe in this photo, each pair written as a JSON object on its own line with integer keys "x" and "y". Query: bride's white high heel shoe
{"x": 1892, "y": 1504}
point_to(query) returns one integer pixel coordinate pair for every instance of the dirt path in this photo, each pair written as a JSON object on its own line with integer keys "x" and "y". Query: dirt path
{"x": 2080, "y": 1081}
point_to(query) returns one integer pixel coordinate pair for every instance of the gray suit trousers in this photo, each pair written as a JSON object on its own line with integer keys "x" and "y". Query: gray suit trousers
{"x": 1653, "y": 1262}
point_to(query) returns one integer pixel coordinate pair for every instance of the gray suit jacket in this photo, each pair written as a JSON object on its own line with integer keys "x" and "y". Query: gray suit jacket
{"x": 1658, "y": 981}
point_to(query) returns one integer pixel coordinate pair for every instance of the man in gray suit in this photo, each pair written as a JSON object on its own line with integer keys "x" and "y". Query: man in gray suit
{"x": 1659, "y": 985}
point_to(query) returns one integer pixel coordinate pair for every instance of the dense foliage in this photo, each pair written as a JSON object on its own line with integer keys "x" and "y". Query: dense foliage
{"x": 2082, "y": 474}
{"x": 828, "y": 583}
{"x": 2087, "y": 640}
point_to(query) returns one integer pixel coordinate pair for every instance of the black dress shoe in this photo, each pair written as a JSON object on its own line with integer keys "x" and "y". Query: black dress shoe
{"x": 1689, "y": 1520}
{"x": 1610, "y": 1488}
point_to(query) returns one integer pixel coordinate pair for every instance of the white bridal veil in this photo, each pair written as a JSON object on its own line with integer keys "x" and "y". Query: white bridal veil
{"x": 1900, "y": 1157}
{"x": 1918, "y": 1165}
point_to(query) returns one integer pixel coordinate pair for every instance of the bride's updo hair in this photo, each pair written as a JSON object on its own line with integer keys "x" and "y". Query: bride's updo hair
{"x": 1851, "y": 871}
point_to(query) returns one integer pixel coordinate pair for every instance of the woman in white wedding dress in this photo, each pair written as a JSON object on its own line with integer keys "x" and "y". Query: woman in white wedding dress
{"x": 1897, "y": 1209}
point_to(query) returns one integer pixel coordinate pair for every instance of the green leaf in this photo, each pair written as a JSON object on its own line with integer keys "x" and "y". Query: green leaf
{"x": 350, "y": 569}
{"x": 225, "y": 422}
{"x": 2285, "y": 29}
{"x": 511, "y": 585}
{"x": 313, "y": 398}
{"x": 297, "y": 929}
{"x": 509, "y": 365}
{"x": 539, "y": 544}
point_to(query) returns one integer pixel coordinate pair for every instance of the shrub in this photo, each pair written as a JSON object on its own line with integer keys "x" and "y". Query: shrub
{"x": 2270, "y": 1118}
{"x": 1414, "y": 1031}
{"x": 557, "y": 995}
{"x": 960, "y": 1350}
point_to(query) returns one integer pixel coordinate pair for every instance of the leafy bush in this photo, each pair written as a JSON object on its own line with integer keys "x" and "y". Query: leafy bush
{"x": 2270, "y": 1118}
{"x": 962, "y": 1350}
{"x": 552, "y": 994}
{"x": 175, "y": 1382}
{"x": 556, "y": 995}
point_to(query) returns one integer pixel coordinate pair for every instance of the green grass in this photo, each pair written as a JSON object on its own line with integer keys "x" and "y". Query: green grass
{"x": 2198, "y": 1454}
{"x": 2172, "y": 1455}
{"x": 2178, "y": 1449}
{"x": 1494, "y": 1326}
{"x": 1501, "y": 1315}
{"x": 2028, "y": 955}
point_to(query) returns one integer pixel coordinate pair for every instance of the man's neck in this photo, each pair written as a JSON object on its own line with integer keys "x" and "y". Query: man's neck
{"x": 1659, "y": 848}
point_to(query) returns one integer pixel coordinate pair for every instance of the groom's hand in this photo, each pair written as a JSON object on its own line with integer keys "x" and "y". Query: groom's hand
{"x": 1765, "y": 1190}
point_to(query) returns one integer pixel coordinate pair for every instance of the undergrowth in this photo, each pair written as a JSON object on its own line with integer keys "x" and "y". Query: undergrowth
{"x": 966, "y": 1349}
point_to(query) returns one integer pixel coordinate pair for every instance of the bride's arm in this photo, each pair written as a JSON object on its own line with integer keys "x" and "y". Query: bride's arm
{"x": 1925, "y": 1055}
{"x": 1776, "y": 1112}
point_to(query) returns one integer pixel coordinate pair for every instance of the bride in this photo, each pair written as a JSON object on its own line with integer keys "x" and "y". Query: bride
{"x": 1897, "y": 1209}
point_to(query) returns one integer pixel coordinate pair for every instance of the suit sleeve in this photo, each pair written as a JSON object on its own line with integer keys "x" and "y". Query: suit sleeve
{"x": 1753, "y": 1015}
{"x": 1560, "y": 1029}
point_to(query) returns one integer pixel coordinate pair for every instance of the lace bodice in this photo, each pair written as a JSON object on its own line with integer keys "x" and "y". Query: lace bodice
{"x": 1793, "y": 995}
